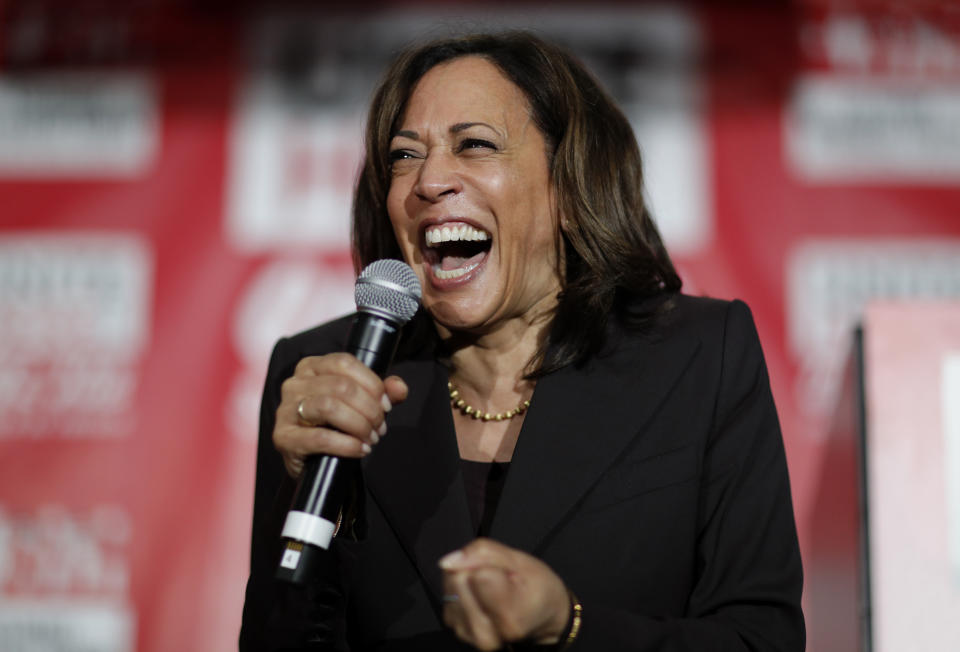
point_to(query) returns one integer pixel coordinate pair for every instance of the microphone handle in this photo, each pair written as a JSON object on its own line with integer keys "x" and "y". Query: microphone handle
{"x": 373, "y": 340}
{"x": 321, "y": 490}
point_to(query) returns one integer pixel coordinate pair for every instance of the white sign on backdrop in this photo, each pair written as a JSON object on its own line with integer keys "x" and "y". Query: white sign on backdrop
{"x": 78, "y": 124}
{"x": 844, "y": 129}
{"x": 75, "y": 315}
{"x": 65, "y": 581}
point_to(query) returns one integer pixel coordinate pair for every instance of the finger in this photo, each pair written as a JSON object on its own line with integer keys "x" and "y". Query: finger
{"x": 453, "y": 616}
{"x": 480, "y": 552}
{"x": 465, "y": 615}
{"x": 293, "y": 464}
{"x": 340, "y": 364}
{"x": 322, "y": 394}
{"x": 396, "y": 390}
{"x": 336, "y": 414}
{"x": 300, "y": 441}
{"x": 493, "y": 592}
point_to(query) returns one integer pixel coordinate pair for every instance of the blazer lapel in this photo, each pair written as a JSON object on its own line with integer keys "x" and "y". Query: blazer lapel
{"x": 579, "y": 422}
{"x": 414, "y": 472}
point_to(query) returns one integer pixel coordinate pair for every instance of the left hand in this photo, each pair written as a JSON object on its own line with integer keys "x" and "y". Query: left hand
{"x": 496, "y": 595}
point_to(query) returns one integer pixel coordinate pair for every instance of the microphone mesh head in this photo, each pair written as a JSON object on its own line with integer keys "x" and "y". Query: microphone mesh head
{"x": 388, "y": 288}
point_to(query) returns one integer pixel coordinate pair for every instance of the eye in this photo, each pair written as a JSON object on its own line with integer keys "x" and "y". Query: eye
{"x": 399, "y": 155}
{"x": 476, "y": 143}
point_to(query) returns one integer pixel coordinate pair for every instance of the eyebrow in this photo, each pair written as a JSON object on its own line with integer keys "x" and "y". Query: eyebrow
{"x": 455, "y": 129}
{"x": 463, "y": 126}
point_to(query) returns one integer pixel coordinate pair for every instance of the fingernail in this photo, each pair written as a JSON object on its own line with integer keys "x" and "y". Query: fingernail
{"x": 382, "y": 429}
{"x": 374, "y": 437}
{"x": 365, "y": 448}
{"x": 385, "y": 402}
{"x": 450, "y": 560}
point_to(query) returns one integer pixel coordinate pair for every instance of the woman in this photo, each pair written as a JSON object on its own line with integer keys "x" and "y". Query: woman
{"x": 640, "y": 502}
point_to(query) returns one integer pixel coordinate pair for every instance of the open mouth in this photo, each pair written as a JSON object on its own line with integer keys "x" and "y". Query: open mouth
{"x": 455, "y": 249}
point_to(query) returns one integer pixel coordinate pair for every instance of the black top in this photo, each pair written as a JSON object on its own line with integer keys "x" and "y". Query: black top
{"x": 484, "y": 484}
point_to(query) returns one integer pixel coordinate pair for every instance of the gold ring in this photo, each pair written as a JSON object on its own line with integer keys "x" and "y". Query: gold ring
{"x": 303, "y": 417}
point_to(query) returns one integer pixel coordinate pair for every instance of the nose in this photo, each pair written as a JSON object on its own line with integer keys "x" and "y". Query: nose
{"x": 437, "y": 177}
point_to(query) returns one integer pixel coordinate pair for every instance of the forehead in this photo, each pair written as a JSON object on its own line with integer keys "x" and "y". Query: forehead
{"x": 460, "y": 89}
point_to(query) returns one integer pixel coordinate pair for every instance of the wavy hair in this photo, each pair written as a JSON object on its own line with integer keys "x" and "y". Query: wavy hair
{"x": 613, "y": 256}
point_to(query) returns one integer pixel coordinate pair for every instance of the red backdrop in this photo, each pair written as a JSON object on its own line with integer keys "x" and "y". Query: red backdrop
{"x": 174, "y": 188}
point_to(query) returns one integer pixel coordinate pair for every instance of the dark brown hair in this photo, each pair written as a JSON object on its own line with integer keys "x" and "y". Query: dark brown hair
{"x": 613, "y": 253}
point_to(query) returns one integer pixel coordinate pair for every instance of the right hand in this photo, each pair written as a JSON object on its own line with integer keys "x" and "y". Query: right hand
{"x": 343, "y": 407}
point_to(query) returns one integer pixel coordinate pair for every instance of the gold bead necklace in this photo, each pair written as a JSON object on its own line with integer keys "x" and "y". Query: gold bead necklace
{"x": 474, "y": 413}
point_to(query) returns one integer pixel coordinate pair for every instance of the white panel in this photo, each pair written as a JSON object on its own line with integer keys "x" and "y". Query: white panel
{"x": 66, "y": 626}
{"x": 950, "y": 403}
{"x": 100, "y": 284}
{"x": 75, "y": 320}
{"x": 848, "y": 129}
{"x": 78, "y": 124}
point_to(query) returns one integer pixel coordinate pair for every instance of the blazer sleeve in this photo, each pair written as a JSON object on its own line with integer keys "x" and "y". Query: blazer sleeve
{"x": 278, "y": 616}
{"x": 748, "y": 570}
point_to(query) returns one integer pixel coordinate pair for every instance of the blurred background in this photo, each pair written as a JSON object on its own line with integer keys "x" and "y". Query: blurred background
{"x": 175, "y": 183}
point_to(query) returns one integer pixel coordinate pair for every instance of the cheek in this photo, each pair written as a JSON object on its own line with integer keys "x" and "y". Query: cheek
{"x": 535, "y": 225}
{"x": 528, "y": 190}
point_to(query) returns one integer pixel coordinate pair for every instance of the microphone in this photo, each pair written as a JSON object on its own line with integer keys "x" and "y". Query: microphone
{"x": 387, "y": 293}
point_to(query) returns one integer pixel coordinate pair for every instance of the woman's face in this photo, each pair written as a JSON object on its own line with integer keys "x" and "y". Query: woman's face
{"x": 471, "y": 201}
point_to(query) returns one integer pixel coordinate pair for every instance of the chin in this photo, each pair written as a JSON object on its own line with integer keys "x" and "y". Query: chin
{"x": 454, "y": 320}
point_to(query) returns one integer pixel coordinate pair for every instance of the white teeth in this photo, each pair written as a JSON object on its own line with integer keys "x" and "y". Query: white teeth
{"x": 439, "y": 234}
{"x": 436, "y": 235}
{"x": 447, "y": 274}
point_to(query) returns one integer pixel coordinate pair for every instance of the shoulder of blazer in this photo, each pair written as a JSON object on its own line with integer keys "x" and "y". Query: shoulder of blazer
{"x": 690, "y": 314}
{"x": 681, "y": 318}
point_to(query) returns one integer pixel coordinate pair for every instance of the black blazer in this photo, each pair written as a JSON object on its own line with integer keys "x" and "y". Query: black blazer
{"x": 652, "y": 480}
